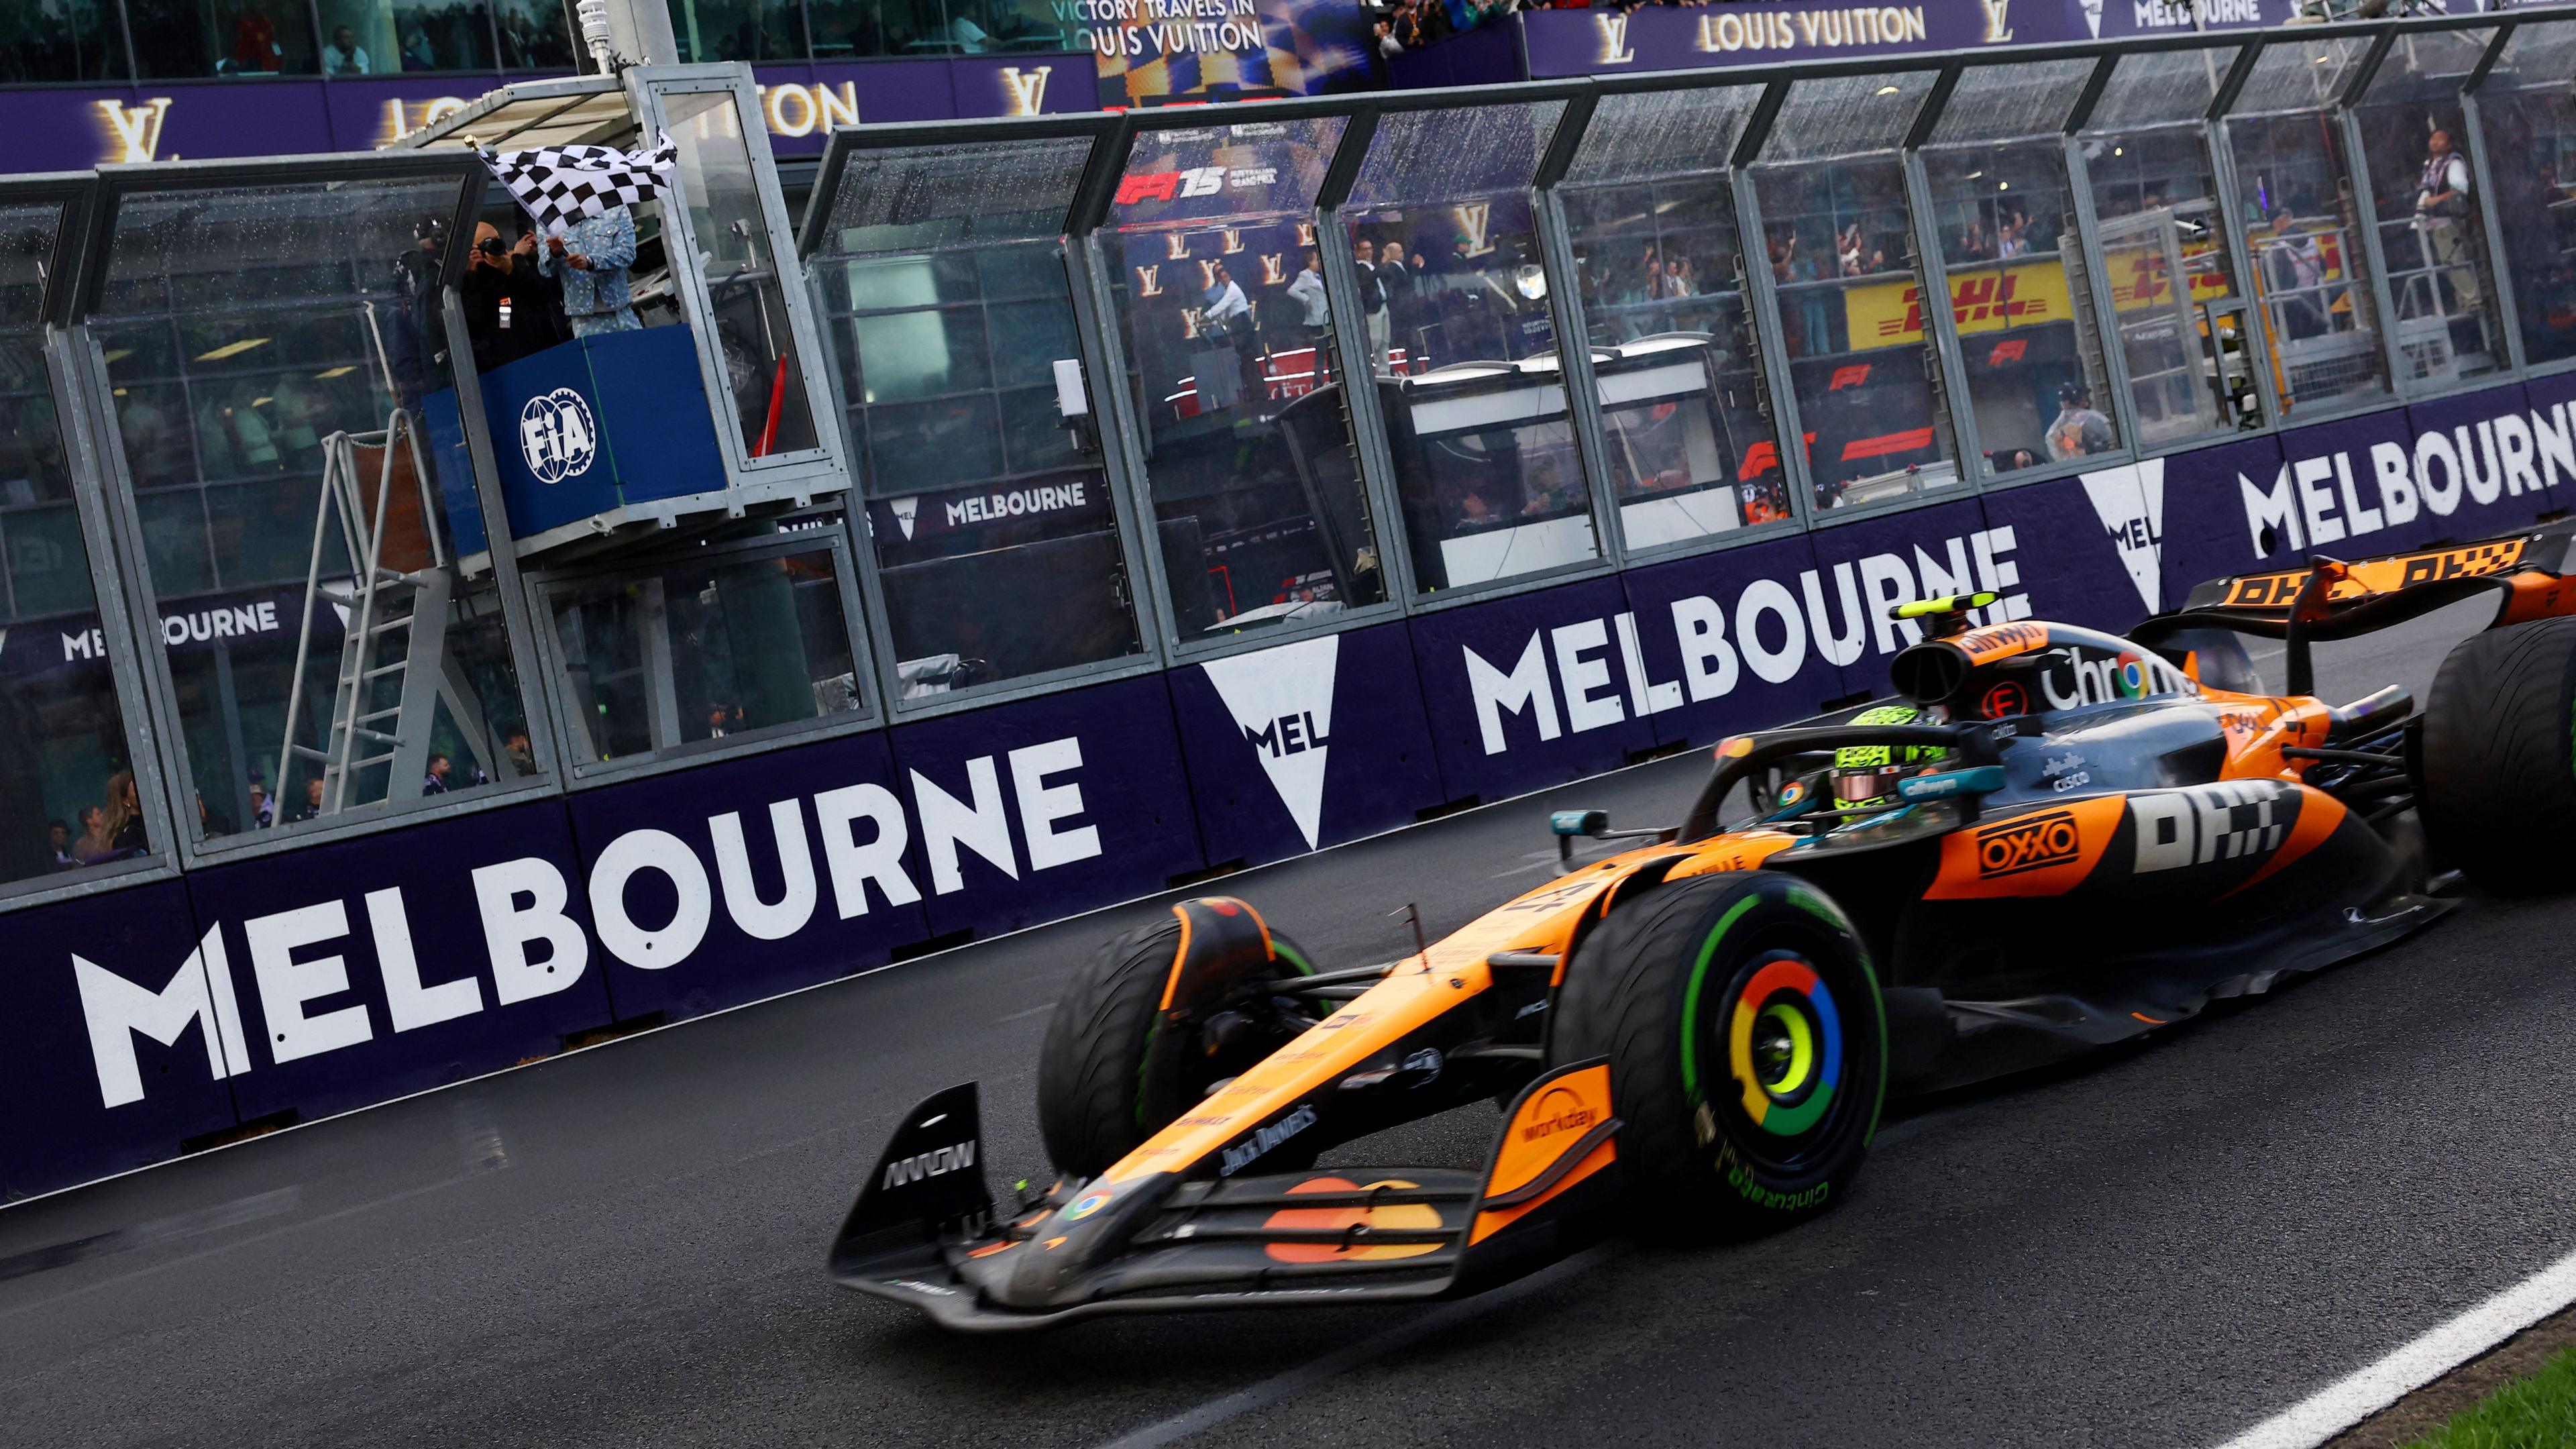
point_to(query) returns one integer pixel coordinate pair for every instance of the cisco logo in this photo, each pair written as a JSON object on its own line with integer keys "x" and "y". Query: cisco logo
{"x": 557, "y": 436}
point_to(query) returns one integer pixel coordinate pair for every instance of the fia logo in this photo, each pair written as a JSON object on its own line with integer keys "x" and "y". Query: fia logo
{"x": 557, "y": 436}
{"x": 1281, "y": 699}
{"x": 1997, "y": 30}
{"x": 1024, "y": 91}
{"x": 2130, "y": 502}
{"x": 133, "y": 132}
{"x": 1614, "y": 39}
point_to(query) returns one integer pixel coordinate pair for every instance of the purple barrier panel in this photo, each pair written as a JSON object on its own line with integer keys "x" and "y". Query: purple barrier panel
{"x": 1725, "y": 642}
{"x": 1864, "y": 569}
{"x": 2331, "y": 497}
{"x": 2551, "y": 402}
{"x": 1032, "y": 811}
{"x": 1305, "y": 744}
{"x": 1528, "y": 691}
{"x": 2085, "y": 547}
{"x": 1490, "y": 54}
{"x": 2486, "y": 455}
{"x": 739, "y": 880}
{"x": 111, "y": 1052}
{"x": 2219, "y": 513}
{"x": 366, "y": 969}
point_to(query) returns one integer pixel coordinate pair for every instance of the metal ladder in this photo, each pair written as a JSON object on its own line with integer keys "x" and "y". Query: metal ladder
{"x": 394, "y": 619}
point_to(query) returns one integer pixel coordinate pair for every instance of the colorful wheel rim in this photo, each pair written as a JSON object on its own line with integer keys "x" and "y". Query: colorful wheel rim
{"x": 1789, "y": 1083}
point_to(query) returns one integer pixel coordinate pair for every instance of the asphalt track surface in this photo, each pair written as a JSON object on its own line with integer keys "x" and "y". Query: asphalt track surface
{"x": 2161, "y": 1246}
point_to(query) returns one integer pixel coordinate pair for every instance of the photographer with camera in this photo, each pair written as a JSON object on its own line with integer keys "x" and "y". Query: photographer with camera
{"x": 510, "y": 309}
{"x": 416, "y": 334}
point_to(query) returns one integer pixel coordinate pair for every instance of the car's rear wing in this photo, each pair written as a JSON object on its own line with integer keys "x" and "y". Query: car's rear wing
{"x": 2332, "y": 599}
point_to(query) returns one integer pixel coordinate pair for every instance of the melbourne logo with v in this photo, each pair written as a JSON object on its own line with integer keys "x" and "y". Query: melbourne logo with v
{"x": 2130, "y": 501}
{"x": 1282, "y": 700}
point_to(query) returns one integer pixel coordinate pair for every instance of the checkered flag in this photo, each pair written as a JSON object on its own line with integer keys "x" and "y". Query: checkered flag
{"x": 559, "y": 185}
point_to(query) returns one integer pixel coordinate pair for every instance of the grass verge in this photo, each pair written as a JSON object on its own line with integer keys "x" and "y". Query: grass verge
{"x": 2538, "y": 1412}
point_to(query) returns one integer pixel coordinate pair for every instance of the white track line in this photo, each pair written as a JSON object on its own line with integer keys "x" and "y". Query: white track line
{"x": 2341, "y": 1405}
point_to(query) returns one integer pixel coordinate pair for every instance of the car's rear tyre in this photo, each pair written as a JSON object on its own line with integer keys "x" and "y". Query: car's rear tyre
{"x": 1146, "y": 1027}
{"x": 2498, "y": 771}
{"x": 1747, "y": 1050}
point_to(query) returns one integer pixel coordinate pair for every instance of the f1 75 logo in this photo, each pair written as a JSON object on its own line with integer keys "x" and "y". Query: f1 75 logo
{"x": 2028, "y": 844}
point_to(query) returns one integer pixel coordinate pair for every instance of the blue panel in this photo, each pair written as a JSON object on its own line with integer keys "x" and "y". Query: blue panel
{"x": 523, "y": 407}
{"x": 1867, "y": 567}
{"x": 848, "y": 905}
{"x": 60, "y": 1127}
{"x": 1527, "y": 691}
{"x": 2211, "y": 530}
{"x": 2085, "y": 547}
{"x": 443, "y": 439}
{"x": 316, "y": 942}
{"x": 2503, "y": 467}
{"x": 1723, "y": 642}
{"x": 2552, "y": 401}
{"x": 653, "y": 412}
{"x": 1032, "y": 811}
{"x": 1305, "y": 744}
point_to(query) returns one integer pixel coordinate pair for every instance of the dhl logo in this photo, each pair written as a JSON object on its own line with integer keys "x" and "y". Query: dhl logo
{"x": 2379, "y": 576}
{"x": 2145, "y": 280}
{"x": 1986, "y": 301}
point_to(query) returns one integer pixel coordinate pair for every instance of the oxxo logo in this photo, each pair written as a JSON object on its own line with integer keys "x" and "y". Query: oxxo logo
{"x": 2027, "y": 844}
{"x": 557, "y": 436}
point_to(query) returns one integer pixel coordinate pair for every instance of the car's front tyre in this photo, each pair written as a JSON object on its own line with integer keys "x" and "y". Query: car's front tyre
{"x": 1747, "y": 1050}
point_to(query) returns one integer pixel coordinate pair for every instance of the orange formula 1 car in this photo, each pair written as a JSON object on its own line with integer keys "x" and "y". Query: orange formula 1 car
{"x": 2058, "y": 839}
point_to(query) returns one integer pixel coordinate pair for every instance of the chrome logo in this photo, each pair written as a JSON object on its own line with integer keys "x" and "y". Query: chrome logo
{"x": 2129, "y": 675}
{"x": 1790, "y": 1008}
{"x": 1085, "y": 1206}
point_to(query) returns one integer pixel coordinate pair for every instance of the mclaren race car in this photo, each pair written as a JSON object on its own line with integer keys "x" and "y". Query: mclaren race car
{"x": 2053, "y": 839}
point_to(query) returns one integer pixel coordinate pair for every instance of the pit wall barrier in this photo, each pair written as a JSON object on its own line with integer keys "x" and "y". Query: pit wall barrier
{"x": 145, "y": 1022}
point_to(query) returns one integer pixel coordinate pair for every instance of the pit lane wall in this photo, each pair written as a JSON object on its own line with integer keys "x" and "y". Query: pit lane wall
{"x": 301, "y": 985}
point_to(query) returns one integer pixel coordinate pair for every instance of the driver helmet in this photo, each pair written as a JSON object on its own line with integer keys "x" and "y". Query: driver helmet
{"x": 1865, "y": 775}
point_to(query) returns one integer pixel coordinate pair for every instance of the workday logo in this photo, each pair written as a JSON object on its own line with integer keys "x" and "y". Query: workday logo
{"x": 1282, "y": 700}
{"x": 557, "y": 436}
{"x": 2130, "y": 501}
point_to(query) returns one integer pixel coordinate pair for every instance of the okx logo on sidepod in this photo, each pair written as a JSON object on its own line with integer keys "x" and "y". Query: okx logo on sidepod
{"x": 1282, "y": 700}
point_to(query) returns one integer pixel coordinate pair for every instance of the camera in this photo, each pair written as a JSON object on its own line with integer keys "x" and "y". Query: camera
{"x": 492, "y": 246}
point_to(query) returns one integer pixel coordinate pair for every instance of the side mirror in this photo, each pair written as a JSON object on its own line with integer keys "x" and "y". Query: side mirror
{"x": 1565, "y": 825}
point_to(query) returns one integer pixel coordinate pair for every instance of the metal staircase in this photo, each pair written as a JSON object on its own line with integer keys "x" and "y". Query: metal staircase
{"x": 392, "y": 595}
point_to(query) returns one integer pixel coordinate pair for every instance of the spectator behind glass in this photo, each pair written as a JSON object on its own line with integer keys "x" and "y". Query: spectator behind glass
{"x": 255, "y": 47}
{"x": 436, "y": 782}
{"x": 263, "y": 813}
{"x": 115, "y": 829}
{"x": 312, "y": 807}
{"x": 58, "y": 844}
{"x": 344, "y": 56}
{"x": 416, "y": 54}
